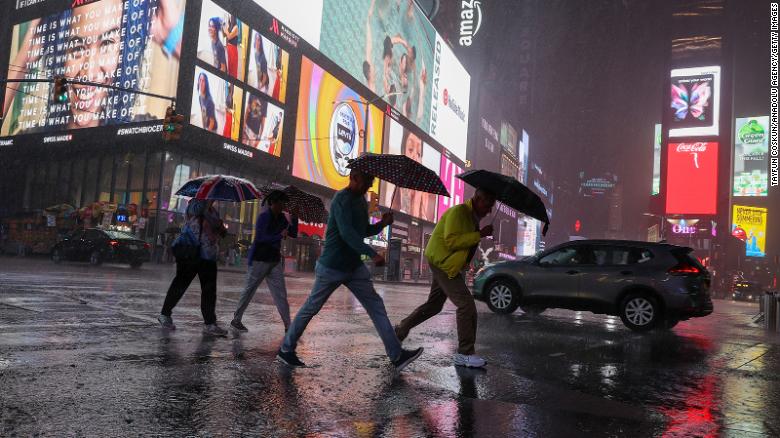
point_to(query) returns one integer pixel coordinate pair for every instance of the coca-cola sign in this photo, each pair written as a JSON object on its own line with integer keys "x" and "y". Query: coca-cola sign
{"x": 692, "y": 147}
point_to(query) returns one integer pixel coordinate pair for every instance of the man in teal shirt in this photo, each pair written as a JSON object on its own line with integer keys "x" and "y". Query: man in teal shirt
{"x": 341, "y": 264}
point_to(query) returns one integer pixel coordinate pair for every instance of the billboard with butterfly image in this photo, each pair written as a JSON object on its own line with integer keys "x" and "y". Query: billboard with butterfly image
{"x": 694, "y": 102}
{"x": 91, "y": 42}
{"x": 330, "y": 119}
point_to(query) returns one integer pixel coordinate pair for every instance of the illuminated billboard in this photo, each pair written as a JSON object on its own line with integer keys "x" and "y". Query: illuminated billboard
{"x": 399, "y": 140}
{"x": 222, "y": 40}
{"x": 657, "y": 160}
{"x": 303, "y": 17}
{"x": 692, "y": 178}
{"x": 455, "y": 186}
{"x": 216, "y": 104}
{"x": 449, "y": 100}
{"x": 268, "y": 66}
{"x": 527, "y": 231}
{"x": 92, "y": 43}
{"x": 751, "y": 156}
{"x": 694, "y": 101}
{"x": 508, "y": 138}
{"x": 263, "y": 122}
{"x": 522, "y": 173}
{"x": 749, "y": 225}
{"x": 330, "y": 118}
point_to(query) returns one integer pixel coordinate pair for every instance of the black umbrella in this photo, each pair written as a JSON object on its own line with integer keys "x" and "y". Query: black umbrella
{"x": 401, "y": 171}
{"x": 307, "y": 207}
{"x": 510, "y": 192}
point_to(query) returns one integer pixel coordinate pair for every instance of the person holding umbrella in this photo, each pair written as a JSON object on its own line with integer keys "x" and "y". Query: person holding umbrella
{"x": 340, "y": 264}
{"x": 202, "y": 222}
{"x": 452, "y": 245}
{"x": 265, "y": 259}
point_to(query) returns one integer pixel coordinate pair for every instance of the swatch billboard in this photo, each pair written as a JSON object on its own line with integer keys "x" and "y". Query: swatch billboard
{"x": 330, "y": 119}
{"x": 92, "y": 43}
{"x": 692, "y": 178}
{"x": 751, "y": 156}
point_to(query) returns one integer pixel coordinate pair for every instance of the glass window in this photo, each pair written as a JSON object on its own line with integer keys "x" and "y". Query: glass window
{"x": 76, "y": 183}
{"x": 76, "y": 235}
{"x": 104, "y": 183}
{"x": 122, "y": 162}
{"x": 95, "y": 235}
{"x": 137, "y": 172}
{"x": 51, "y": 186}
{"x": 564, "y": 256}
{"x": 63, "y": 187}
{"x": 601, "y": 255}
{"x": 172, "y": 162}
{"x": 90, "y": 181}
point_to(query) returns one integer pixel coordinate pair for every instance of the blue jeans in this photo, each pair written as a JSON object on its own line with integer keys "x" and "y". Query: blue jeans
{"x": 359, "y": 283}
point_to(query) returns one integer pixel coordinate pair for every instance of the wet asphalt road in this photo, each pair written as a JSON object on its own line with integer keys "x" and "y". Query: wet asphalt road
{"x": 81, "y": 354}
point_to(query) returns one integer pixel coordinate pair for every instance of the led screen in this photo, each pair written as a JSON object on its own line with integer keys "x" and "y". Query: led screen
{"x": 449, "y": 100}
{"x": 327, "y": 133}
{"x": 92, "y": 43}
{"x": 751, "y": 156}
{"x": 749, "y": 225}
{"x": 263, "y": 122}
{"x": 657, "y": 160}
{"x": 455, "y": 186}
{"x": 692, "y": 178}
{"x": 509, "y": 138}
{"x": 522, "y": 172}
{"x": 399, "y": 140}
{"x": 216, "y": 104}
{"x": 694, "y": 101}
{"x": 268, "y": 66}
{"x": 222, "y": 40}
{"x": 303, "y": 17}
{"x": 527, "y": 230}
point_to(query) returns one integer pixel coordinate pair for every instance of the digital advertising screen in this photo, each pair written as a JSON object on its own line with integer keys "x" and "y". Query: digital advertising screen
{"x": 657, "y": 160}
{"x": 748, "y": 224}
{"x": 455, "y": 186}
{"x": 694, "y": 101}
{"x": 527, "y": 231}
{"x": 327, "y": 133}
{"x": 216, "y": 104}
{"x": 450, "y": 96}
{"x": 268, "y": 66}
{"x": 401, "y": 141}
{"x": 304, "y": 17}
{"x": 91, "y": 43}
{"x": 522, "y": 172}
{"x": 222, "y": 40}
{"x": 692, "y": 178}
{"x": 508, "y": 138}
{"x": 263, "y": 123}
{"x": 751, "y": 156}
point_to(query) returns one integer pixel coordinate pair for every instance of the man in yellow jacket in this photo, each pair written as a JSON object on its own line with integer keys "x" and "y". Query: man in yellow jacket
{"x": 450, "y": 249}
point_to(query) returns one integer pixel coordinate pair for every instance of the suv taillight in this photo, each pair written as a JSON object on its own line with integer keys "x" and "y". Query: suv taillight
{"x": 114, "y": 243}
{"x": 684, "y": 268}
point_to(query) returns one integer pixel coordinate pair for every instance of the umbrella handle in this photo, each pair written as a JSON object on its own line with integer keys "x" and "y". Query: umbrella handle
{"x": 392, "y": 198}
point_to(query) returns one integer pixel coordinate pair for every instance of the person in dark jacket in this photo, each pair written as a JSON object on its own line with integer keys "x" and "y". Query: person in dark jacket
{"x": 265, "y": 259}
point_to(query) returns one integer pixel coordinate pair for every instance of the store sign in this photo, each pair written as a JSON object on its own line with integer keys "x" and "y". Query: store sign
{"x": 470, "y": 21}
{"x": 311, "y": 229}
{"x": 692, "y": 178}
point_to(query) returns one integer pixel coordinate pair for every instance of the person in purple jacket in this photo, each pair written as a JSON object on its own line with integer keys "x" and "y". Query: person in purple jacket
{"x": 265, "y": 258}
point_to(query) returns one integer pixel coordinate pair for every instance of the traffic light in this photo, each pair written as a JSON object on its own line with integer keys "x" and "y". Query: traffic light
{"x": 172, "y": 124}
{"x": 60, "y": 89}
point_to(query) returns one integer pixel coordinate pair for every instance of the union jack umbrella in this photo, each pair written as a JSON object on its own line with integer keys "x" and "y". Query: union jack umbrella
{"x": 401, "y": 171}
{"x": 220, "y": 188}
{"x": 307, "y": 207}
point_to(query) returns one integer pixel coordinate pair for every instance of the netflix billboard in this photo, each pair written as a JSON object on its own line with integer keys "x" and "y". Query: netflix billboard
{"x": 692, "y": 178}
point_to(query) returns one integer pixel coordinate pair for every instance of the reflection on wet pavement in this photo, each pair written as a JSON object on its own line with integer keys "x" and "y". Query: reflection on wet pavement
{"x": 81, "y": 354}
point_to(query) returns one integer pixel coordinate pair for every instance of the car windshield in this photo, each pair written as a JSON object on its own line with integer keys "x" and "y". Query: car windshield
{"x": 120, "y": 235}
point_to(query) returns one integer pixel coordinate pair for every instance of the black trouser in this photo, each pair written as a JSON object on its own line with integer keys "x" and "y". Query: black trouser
{"x": 206, "y": 270}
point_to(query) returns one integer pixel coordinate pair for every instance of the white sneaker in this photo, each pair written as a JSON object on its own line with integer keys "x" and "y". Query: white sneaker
{"x": 469, "y": 361}
{"x": 214, "y": 330}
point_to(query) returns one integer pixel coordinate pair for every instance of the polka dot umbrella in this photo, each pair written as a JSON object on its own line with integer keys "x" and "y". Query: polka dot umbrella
{"x": 307, "y": 207}
{"x": 401, "y": 171}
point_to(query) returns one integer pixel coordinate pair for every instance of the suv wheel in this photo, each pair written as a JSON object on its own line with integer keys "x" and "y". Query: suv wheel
{"x": 94, "y": 258}
{"x": 640, "y": 312}
{"x": 502, "y": 297}
{"x": 56, "y": 256}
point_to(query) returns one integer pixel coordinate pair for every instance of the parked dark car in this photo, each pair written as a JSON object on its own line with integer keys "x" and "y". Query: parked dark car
{"x": 744, "y": 290}
{"x": 98, "y": 246}
{"x": 649, "y": 285}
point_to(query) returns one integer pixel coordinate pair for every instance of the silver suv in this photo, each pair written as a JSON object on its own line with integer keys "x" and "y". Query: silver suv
{"x": 649, "y": 285}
